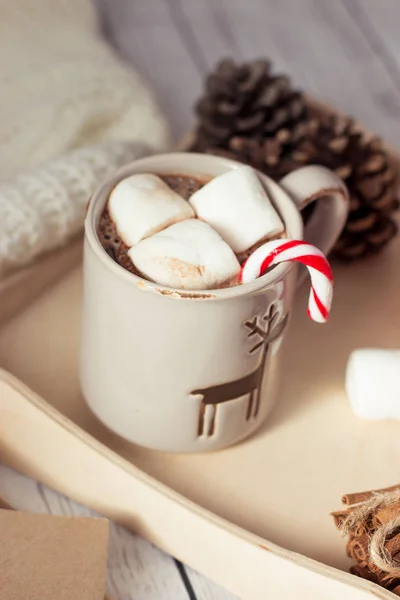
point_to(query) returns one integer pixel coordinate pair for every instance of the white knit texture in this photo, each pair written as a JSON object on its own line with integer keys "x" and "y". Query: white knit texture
{"x": 62, "y": 88}
{"x": 41, "y": 209}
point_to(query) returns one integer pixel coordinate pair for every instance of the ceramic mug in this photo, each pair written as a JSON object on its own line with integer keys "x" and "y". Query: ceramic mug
{"x": 193, "y": 371}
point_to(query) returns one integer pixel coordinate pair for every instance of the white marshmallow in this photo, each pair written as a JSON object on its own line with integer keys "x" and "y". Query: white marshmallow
{"x": 236, "y": 205}
{"x": 189, "y": 255}
{"x": 142, "y": 205}
{"x": 373, "y": 383}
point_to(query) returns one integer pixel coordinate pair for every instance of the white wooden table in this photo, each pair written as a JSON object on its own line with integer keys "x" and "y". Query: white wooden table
{"x": 345, "y": 51}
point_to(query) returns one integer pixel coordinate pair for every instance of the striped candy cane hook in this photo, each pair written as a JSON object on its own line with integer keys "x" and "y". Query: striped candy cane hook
{"x": 278, "y": 251}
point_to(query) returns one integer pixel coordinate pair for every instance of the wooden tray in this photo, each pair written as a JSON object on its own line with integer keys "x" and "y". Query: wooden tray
{"x": 254, "y": 518}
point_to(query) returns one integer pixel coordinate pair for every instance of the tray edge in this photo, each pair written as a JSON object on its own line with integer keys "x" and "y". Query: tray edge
{"x": 22, "y": 287}
{"x": 18, "y": 403}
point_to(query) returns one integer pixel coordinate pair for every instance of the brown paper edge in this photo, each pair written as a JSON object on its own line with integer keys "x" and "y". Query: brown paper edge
{"x": 7, "y": 506}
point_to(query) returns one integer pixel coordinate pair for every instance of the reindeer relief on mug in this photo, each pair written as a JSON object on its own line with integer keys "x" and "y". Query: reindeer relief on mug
{"x": 262, "y": 330}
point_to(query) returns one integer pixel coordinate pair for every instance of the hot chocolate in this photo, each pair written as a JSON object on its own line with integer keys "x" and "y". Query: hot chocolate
{"x": 185, "y": 232}
{"x": 107, "y": 231}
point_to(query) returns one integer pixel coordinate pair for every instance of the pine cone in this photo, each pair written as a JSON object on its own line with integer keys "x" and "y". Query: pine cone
{"x": 276, "y": 156}
{"x": 365, "y": 168}
{"x": 257, "y": 118}
{"x": 335, "y": 143}
{"x": 246, "y": 100}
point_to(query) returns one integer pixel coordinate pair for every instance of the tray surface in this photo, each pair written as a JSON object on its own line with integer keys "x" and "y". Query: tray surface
{"x": 282, "y": 483}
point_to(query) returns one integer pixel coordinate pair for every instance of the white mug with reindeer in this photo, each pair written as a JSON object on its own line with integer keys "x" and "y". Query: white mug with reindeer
{"x": 193, "y": 371}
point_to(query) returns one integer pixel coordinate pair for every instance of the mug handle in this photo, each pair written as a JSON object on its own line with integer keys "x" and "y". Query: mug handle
{"x": 311, "y": 183}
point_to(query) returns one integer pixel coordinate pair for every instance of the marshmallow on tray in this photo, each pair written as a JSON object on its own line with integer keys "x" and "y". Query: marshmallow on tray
{"x": 236, "y": 205}
{"x": 142, "y": 205}
{"x": 373, "y": 383}
{"x": 189, "y": 255}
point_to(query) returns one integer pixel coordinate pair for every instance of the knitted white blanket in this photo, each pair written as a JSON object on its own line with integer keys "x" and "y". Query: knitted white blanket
{"x": 62, "y": 88}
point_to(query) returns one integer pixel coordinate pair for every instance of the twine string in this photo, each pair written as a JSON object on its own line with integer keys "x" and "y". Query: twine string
{"x": 379, "y": 555}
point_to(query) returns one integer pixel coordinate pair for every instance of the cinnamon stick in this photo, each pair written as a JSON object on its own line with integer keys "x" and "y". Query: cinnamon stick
{"x": 392, "y": 546}
{"x": 390, "y": 581}
{"x": 396, "y": 590}
{"x": 349, "y": 547}
{"x": 377, "y": 571}
{"x": 363, "y": 572}
{"x": 383, "y": 514}
{"x": 340, "y": 516}
{"x": 360, "y": 528}
{"x": 356, "y": 498}
{"x": 357, "y": 548}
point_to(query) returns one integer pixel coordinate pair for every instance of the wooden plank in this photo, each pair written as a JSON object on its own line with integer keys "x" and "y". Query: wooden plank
{"x": 145, "y": 34}
{"x": 211, "y": 29}
{"x": 206, "y": 589}
{"x": 379, "y": 23}
{"x": 136, "y": 569}
{"x": 316, "y": 42}
{"x": 325, "y": 52}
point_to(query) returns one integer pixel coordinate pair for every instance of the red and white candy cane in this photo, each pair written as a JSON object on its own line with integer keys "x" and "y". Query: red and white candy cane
{"x": 278, "y": 251}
